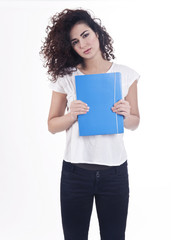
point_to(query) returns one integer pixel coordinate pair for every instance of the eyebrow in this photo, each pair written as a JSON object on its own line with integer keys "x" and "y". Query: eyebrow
{"x": 80, "y": 35}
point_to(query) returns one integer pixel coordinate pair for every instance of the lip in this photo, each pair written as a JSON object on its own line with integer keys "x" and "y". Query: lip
{"x": 87, "y": 51}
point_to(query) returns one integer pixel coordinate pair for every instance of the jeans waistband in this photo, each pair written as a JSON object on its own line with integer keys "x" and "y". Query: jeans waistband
{"x": 68, "y": 166}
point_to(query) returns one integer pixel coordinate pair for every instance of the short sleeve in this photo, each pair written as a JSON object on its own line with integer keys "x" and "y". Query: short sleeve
{"x": 132, "y": 75}
{"x": 59, "y": 85}
{"x": 129, "y": 75}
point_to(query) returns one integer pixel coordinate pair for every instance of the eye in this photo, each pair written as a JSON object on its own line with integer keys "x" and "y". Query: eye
{"x": 85, "y": 35}
{"x": 74, "y": 43}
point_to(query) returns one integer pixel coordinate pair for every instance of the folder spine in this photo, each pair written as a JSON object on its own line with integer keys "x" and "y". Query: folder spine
{"x": 116, "y": 116}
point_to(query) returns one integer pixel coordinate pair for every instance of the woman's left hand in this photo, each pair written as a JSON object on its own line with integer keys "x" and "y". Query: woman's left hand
{"x": 122, "y": 107}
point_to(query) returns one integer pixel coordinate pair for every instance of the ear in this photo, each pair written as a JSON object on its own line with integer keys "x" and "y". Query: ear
{"x": 97, "y": 35}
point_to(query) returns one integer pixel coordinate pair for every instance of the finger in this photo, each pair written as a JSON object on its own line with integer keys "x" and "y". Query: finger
{"x": 79, "y": 108}
{"x": 80, "y": 112}
{"x": 122, "y": 114}
{"x": 124, "y": 104}
{"x": 79, "y": 105}
{"x": 121, "y": 102}
{"x": 80, "y": 102}
{"x": 118, "y": 107}
{"x": 121, "y": 109}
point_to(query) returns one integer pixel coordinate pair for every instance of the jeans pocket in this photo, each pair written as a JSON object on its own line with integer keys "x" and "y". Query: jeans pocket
{"x": 66, "y": 183}
{"x": 66, "y": 175}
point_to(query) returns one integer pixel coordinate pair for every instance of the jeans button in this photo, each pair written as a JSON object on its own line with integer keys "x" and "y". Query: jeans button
{"x": 97, "y": 174}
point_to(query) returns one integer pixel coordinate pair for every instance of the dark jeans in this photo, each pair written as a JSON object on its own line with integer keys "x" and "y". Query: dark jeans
{"x": 109, "y": 187}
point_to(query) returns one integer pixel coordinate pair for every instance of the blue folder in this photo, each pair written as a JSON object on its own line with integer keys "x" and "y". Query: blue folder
{"x": 100, "y": 92}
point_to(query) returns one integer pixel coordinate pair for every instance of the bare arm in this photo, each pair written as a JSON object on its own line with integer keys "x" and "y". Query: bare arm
{"x": 57, "y": 121}
{"x": 129, "y": 108}
{"x": 132, "y": 121}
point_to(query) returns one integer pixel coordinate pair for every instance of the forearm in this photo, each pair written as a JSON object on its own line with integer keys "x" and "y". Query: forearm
{"x": 58, "y": 124}
{"x": 131, "y": 122}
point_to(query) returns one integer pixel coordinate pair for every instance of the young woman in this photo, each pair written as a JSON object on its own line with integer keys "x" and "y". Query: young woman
{"x": 94, "y": 167}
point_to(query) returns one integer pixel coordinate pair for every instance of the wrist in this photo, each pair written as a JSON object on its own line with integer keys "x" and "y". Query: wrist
{"x": 71, "y": 117}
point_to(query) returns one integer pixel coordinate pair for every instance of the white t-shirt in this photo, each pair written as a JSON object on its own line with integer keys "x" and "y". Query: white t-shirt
{"x": 106, "y": 149}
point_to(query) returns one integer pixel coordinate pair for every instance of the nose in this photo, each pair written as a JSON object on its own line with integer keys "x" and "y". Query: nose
{"x": 82, "y": 43}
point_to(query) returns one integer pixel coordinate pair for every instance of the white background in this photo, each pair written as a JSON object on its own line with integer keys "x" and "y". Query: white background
{"x": 31, "y": 157}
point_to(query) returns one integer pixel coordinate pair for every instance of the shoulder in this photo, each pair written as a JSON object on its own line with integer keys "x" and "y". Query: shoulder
{"x": 124, "y": 68}
{"x": 128, "y": 76}
{"x": 128, "y": 73}
{"x": 67, "y": 77}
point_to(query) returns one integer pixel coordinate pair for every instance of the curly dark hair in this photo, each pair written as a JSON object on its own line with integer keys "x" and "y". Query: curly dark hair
{"x": 59, "y": 55}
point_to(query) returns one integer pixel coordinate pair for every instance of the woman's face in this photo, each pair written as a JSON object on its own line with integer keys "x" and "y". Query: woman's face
{"x": 84, "y": 41}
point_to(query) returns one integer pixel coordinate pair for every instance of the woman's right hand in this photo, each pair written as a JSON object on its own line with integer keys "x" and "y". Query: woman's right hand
{"x": 78, "y": 107}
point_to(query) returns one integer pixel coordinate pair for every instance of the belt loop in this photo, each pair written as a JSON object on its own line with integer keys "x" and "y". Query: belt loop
{"x": 97, "y": 174}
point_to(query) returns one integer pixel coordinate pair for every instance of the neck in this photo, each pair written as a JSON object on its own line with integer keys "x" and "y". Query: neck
{"x": 94, "y": 64}
{"x": 96, "y": 67}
